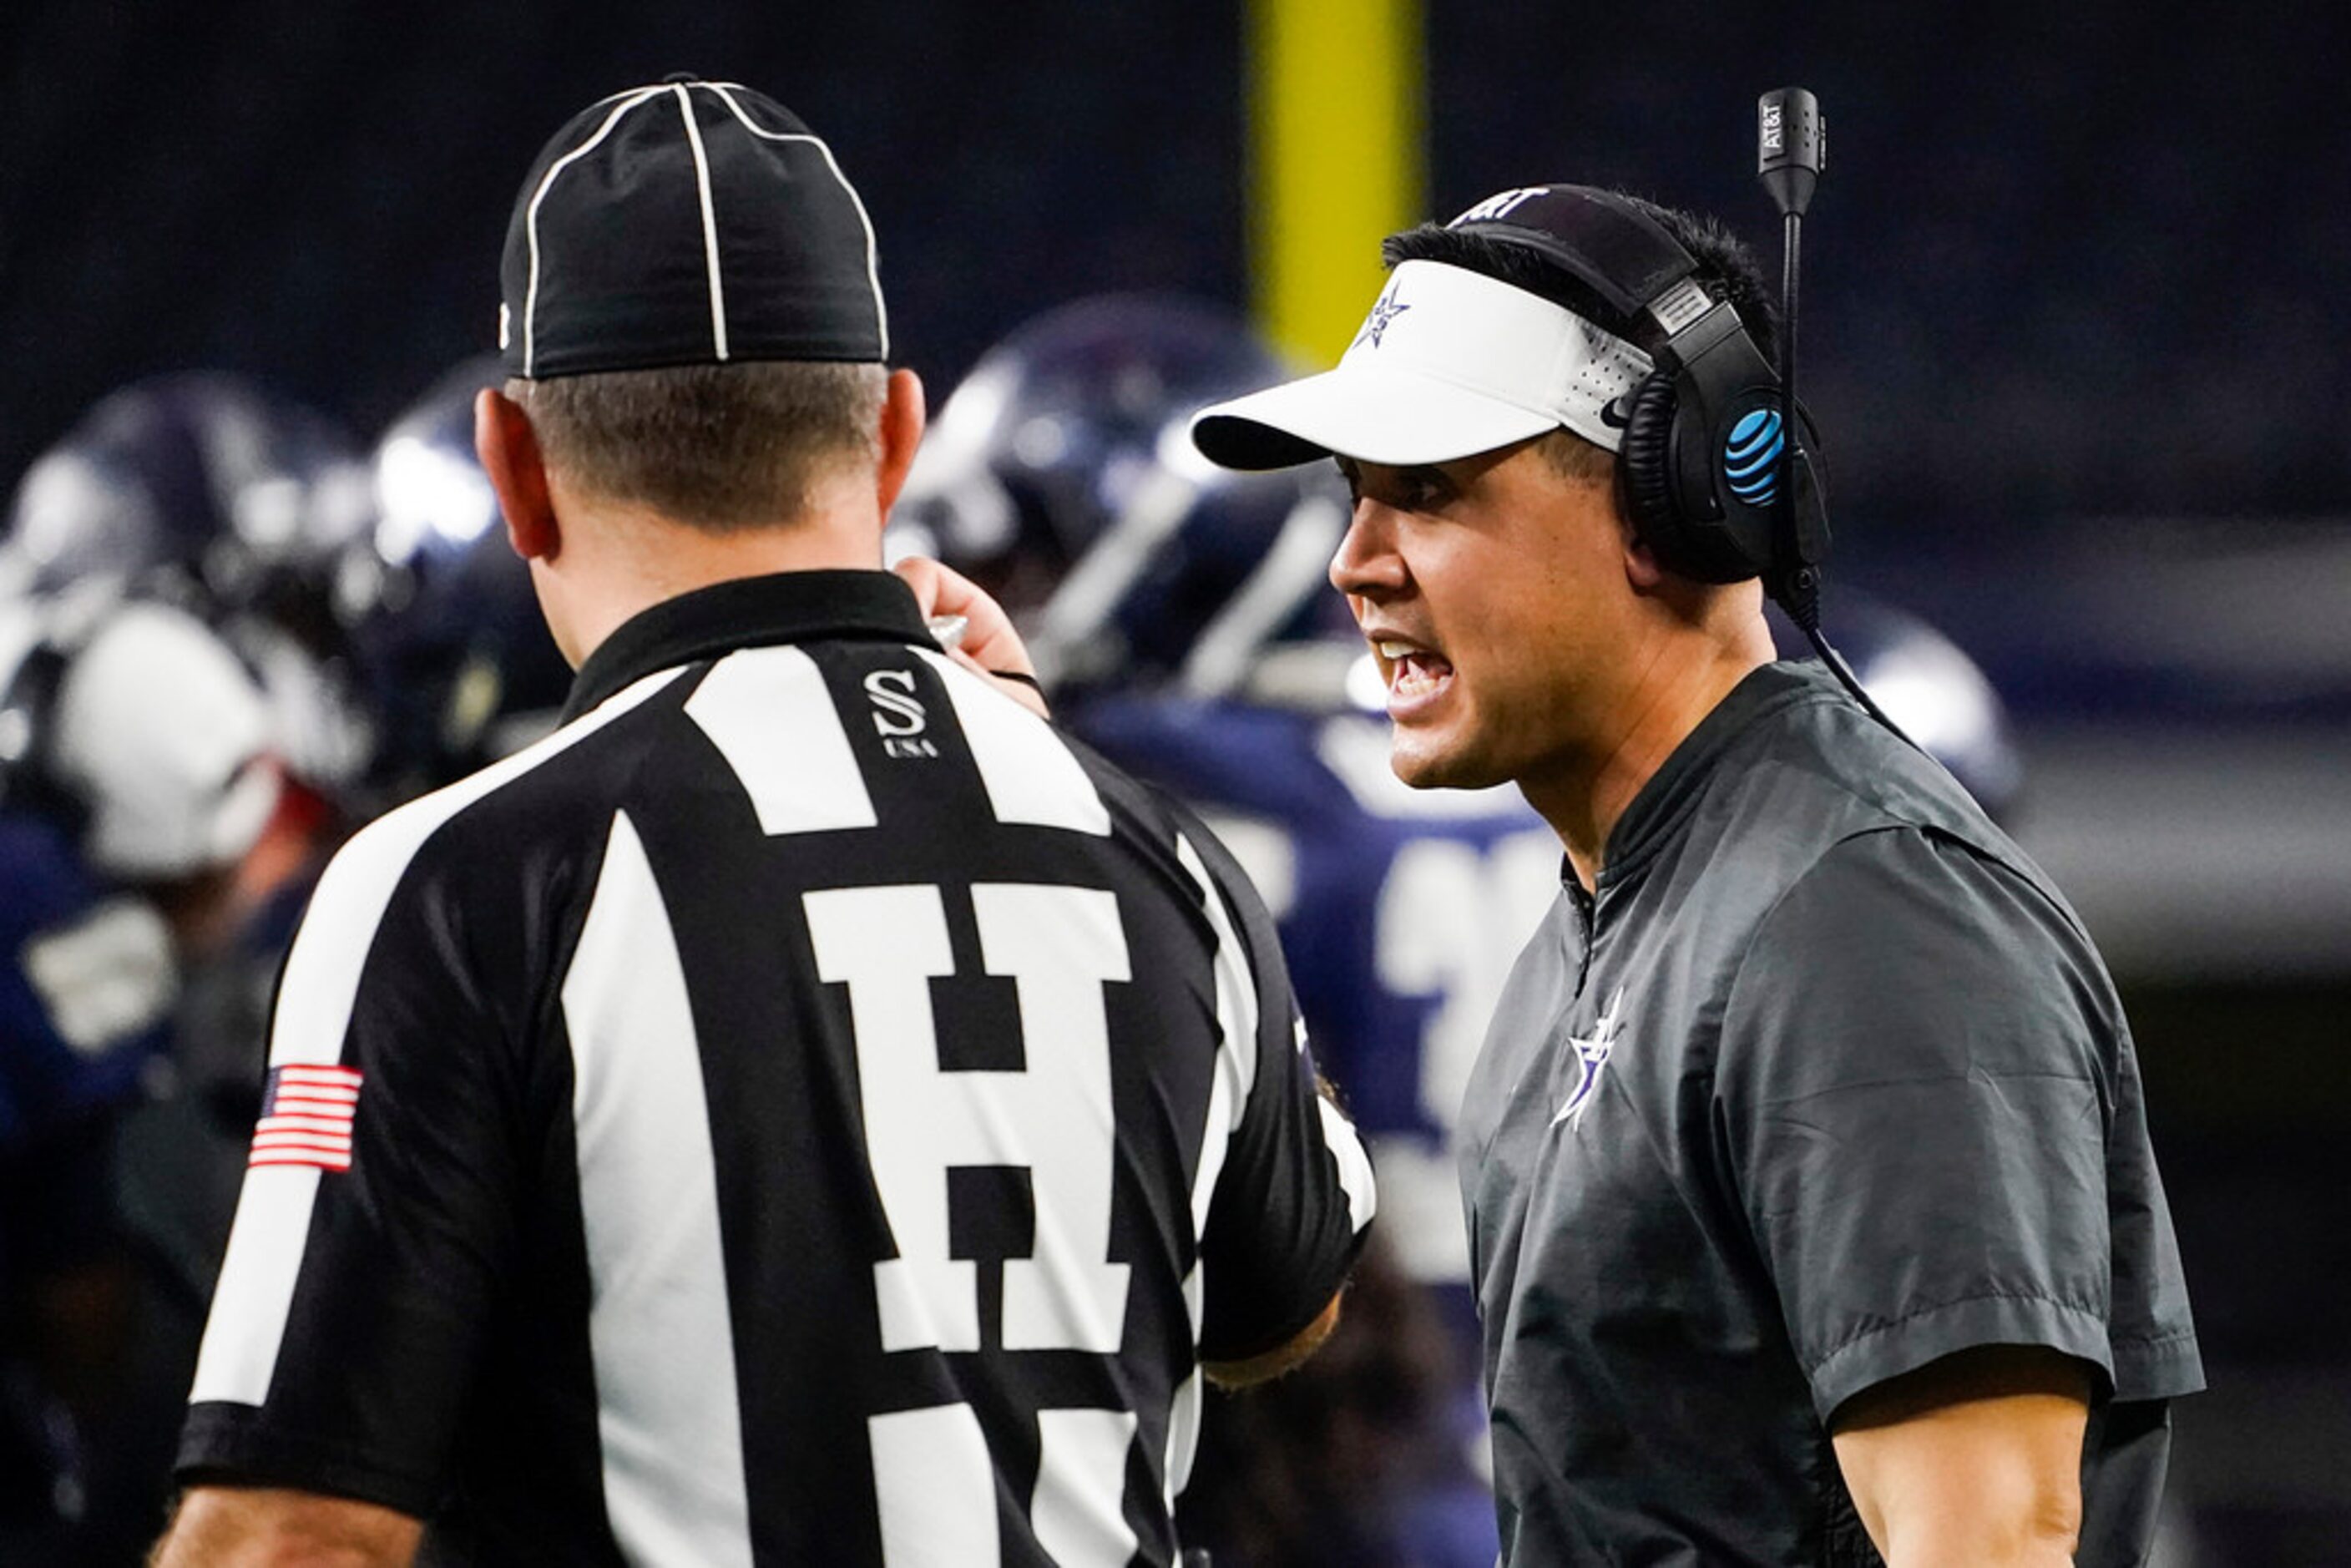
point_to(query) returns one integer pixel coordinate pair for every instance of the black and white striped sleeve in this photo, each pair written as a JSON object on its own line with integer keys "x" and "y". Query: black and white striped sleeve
{"x": 378, "y": 1208}
{"x": 1293, "y": 1198}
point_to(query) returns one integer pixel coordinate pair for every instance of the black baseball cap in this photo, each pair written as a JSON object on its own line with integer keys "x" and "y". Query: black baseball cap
{"x": 687, "y": 223}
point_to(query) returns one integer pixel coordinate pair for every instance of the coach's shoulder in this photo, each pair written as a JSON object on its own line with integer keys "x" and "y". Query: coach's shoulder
{"x": 1893, "y": 927}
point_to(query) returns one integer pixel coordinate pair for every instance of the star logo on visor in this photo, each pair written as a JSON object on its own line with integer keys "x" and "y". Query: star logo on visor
{"x": 1385, "y": 311}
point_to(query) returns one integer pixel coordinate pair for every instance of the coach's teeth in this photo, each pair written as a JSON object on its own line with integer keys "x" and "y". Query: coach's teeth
{"x": 1413, "y": 675}
{"x": 1391, "y": 649}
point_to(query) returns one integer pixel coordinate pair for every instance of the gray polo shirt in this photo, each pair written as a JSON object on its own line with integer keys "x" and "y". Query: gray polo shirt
{"x": 1825, "y": 1082}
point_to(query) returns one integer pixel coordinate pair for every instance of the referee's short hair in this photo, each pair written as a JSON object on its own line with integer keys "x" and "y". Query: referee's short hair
{"x": 721, "y": 447}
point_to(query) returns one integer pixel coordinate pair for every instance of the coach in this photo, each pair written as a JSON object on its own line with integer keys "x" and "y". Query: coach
{"x": 1811, "y": 1210}
{"x": 804, "y": 1110}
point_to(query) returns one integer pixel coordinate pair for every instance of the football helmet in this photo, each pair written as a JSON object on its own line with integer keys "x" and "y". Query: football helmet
{"x": 1059, "y": 477}
{"x": 203, "y": 491}
{"x": 462, "y": 664}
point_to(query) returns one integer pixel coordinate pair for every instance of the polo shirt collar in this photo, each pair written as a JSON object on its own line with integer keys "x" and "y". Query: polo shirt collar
{"x": 747, "y": 613}
{"x": 1663, "y": 803}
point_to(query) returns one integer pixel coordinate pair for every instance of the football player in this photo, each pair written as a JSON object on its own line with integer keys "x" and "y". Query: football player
{"x": 136, "y": 779}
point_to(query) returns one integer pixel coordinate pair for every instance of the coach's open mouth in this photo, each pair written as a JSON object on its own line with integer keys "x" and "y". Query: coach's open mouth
{"x": 1415, "y": 674}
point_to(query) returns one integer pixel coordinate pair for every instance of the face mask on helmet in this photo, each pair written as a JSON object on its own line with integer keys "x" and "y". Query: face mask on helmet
{"x": 1059, "y": 477}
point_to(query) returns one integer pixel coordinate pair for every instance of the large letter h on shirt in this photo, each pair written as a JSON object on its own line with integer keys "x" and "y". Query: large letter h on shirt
{"x": 1059, "y": 944}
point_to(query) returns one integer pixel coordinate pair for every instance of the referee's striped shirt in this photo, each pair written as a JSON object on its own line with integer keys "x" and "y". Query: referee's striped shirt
{"x": 804, "y": 1111}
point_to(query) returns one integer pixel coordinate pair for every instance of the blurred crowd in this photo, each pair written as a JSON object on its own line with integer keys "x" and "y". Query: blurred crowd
{"x": 231, "y": 632}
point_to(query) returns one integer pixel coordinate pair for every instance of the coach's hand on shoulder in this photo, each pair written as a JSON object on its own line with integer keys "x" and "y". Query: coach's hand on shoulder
{"x": 265, "y": 1527}
{"x": 989, "y": 643}
{"x": 1975, "y": 1459}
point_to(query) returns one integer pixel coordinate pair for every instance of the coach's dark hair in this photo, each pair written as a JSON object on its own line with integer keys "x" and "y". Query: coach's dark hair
{"x": 724, "y": 448}
{"x": 1726, "y": 269}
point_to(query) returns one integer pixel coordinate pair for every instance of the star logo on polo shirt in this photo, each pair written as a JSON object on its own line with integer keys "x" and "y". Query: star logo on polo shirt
{"x": 1387, "y": 309}
{"x": 1591, "y": 1053}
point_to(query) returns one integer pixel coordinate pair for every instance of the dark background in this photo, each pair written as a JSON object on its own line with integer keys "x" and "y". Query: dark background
{"x": 2082, "y": 267}
{"x": 2073, "y": 322}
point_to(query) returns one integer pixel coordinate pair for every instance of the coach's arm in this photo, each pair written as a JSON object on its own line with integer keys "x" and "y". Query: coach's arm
{"x": 266, "y": 1527}
{"x": 1975, "y": 1459}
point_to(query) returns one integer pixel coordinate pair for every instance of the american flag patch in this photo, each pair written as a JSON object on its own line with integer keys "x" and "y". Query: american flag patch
{"x": 306, "y": 1118}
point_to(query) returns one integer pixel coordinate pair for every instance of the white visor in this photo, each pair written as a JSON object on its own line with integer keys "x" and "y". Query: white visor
{"x": 1449, "y": 362}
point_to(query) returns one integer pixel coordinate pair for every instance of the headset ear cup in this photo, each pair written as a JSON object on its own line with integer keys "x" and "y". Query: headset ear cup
{"x": 1645, "y": 462}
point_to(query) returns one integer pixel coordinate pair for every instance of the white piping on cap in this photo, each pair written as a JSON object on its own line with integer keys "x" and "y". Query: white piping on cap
{"x": 872, "y": 271}
{"x": 530, "y": 218}
{"x": 709, "y": 220}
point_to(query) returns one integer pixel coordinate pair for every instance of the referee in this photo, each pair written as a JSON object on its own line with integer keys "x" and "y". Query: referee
{"x": 804, "y": 1110}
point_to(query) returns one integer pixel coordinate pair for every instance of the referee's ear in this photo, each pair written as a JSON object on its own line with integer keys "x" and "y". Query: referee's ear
{"x": 902, "y": 413}
{"x": 509, "y": 448}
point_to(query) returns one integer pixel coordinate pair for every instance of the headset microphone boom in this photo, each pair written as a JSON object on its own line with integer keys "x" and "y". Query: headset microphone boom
{"x": 1791, "y": 150}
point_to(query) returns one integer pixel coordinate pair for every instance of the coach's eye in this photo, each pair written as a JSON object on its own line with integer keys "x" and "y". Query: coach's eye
{"x": 1419, "y": 489}
{"x": 1354, "y": 477}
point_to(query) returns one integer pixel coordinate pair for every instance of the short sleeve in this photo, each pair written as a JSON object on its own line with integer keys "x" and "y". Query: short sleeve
{"x": 377, "y": 1208}
{"x": 1928, "y": 1110}
{"x": 1293, "y": 1197}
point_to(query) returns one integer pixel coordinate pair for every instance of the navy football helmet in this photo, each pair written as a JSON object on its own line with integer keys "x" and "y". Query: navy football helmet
{"x": 463, "y": 666}
{"x": 203, "y": 491}
{"x": 1060, "y": 477}
{"x": 199, "y": 486}
{"x": 1929, "y": 687}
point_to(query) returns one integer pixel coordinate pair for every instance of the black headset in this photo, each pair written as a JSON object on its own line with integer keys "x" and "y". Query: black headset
{"x": 1701, "y": 461}
{"x": 1711, "y": 481}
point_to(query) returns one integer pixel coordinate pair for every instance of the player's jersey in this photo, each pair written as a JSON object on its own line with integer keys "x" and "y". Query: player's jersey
{"x": 1399, "y": 909}
{"x": 87, "y": 982}
{"x": 803, "y": 1110}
